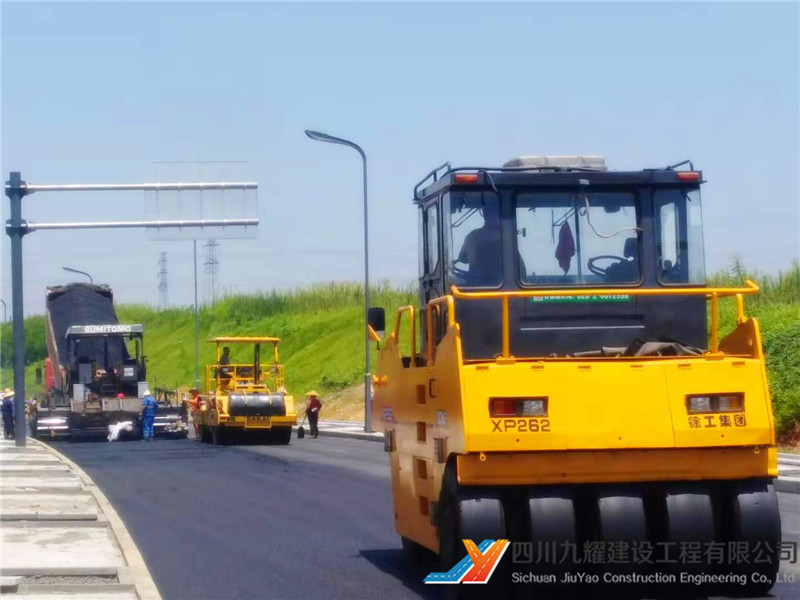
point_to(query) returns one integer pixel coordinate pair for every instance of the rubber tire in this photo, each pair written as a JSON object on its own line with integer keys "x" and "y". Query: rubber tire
{"x": 217, "y": 436}
{"x": 689, "y": 517}
{"x": 754, "y": 517}
{"x": 447, "y": 522}
{"x": 552, "y": 521}
{"x": 621, "y": 518}
{"x": 469, "y": 513}
{"x": 412, "y": 552}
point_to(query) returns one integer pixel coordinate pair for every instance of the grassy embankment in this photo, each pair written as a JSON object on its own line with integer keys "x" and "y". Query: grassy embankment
{"x": 777, "y": 308}
{"x": 323, "y": 343}
{"x": 321, "y": 328}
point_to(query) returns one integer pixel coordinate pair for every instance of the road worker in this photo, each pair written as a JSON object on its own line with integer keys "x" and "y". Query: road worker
{"x": 313, "y": 406}
{"x": 193, "y": 406}
{"x": 225, "y": 359}
{"x": 149, "y": 406}
{"x": 225, "y": 371}
{"x": 8, "y": 414}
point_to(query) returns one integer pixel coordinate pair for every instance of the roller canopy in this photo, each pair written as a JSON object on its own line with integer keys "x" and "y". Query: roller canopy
{"x": 245, "y": 340}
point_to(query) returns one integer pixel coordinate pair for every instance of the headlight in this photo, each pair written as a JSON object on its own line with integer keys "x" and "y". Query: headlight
{"x": 700, "y": 404}
{"x": 715, "y": 403}
{"x": 534, "y": 408}
{"x": 518, "y": 407}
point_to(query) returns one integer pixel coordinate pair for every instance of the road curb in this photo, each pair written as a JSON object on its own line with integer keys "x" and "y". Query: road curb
{"x": 136, "y": 573}
{"x": 788, "y": 486}
{"x": 354, "y": 435}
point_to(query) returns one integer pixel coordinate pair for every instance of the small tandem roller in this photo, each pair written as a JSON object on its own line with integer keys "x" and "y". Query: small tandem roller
{"x": 245, "y": 401}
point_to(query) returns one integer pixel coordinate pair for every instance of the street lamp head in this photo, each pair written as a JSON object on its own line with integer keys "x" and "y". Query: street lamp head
{"x": 71, "y": 270}
{"x": 318, "y": 136}
{"x": 322, "y": 137}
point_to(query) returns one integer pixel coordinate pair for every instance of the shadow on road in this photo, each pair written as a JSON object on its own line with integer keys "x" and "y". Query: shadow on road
{"x": 392, "y": 562}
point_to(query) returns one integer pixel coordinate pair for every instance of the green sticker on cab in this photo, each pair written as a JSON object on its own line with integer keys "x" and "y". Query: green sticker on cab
{"x": 573, "y": 299}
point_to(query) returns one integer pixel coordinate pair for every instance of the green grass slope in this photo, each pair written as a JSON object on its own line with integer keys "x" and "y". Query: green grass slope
{"x": 777, "y": 309}
{"x": 323, "y": 344}
{"x": 321, "y": 328}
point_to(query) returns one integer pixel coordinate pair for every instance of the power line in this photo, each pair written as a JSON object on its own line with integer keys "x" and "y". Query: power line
{"x": 211, "y": 270}
{"x": 163, "y": 286}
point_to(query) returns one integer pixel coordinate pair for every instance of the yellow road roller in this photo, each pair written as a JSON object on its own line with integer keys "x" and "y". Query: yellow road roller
{"x": 245, "y": 400}
{"x": 563, "y": 383}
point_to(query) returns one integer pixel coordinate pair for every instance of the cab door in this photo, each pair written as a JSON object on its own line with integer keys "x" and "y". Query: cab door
{"x": 431, "y": 265}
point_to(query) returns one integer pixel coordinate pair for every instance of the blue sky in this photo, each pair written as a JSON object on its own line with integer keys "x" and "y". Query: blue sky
{"x": 95, "y": 92}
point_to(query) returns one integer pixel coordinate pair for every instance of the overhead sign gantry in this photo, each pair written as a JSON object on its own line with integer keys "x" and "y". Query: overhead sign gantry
{"x": 17, "y": 228}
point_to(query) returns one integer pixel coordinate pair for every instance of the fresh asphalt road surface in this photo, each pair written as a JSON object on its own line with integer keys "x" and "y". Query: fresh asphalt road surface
{"x": 308, "y": 520}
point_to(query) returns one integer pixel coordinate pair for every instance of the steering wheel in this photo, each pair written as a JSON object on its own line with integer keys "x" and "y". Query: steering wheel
{"x": 599, "y": 270}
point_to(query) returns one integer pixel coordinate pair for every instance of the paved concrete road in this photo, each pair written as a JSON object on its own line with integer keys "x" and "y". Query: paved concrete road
{"x": 308, "y": 520}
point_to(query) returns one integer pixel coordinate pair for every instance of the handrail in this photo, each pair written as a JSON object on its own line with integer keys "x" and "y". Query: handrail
{"x": 751, "y": 288}
{"x": 212, "y": 376}
{"x": 451, "y": 319}
{"x": 434, "y": 173}
{"x": 714, "y": 293}
{"x": 412, "y": 322}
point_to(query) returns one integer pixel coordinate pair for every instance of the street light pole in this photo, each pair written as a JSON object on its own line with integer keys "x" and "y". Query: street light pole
{"x": 71, "y": 270}
{"x": 1, "y": 335}
{"x": 15, "y": 192}
{"x": 324, "y": 137}
{"x": 196, "y": 324}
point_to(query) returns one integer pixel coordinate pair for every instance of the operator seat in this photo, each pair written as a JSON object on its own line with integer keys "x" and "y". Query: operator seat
{"x": 626, "y": 271}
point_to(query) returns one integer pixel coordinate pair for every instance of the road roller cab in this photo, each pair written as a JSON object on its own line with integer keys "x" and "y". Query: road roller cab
{"x": 563, "y": 378}
{"x": 245, "y": 397}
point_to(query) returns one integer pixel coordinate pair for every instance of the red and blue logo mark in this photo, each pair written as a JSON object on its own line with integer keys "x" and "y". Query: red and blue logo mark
{"x": 477, "y": 566}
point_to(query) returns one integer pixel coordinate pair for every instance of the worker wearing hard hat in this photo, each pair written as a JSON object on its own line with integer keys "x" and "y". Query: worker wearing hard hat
{"x": 149, "y": 406}
{"x": 8, "y": 414}
{"x": 313, "y": 406}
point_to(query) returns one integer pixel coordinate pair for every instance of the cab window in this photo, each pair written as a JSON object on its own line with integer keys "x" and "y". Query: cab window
{"x": 474, "y": 227}
{"x": 570, "y": 239}
{"x": 431, "y": 238}
{"x": 681, "y": 258}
